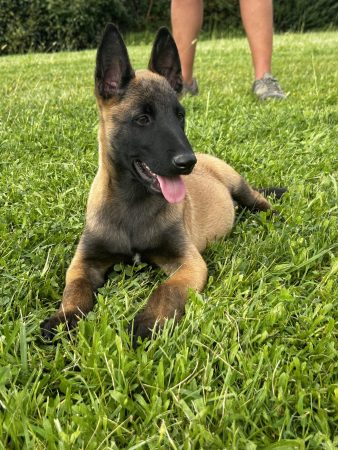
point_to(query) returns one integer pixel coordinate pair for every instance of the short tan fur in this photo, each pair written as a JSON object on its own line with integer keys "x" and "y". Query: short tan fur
{"x": 125, "y": 215}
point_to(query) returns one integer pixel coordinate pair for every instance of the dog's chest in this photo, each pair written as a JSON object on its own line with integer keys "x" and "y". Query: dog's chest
{"x": 144, "y": 236}
{"x": 140, "y": 231}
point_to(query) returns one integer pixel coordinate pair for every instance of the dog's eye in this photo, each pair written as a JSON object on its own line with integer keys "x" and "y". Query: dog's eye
{"x": 142, "y": 120}
{"x": 180, "y": 116}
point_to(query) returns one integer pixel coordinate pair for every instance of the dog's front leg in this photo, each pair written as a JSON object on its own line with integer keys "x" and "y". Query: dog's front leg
{"x": 168, "y": 300}
{"x": 84, "y": 276}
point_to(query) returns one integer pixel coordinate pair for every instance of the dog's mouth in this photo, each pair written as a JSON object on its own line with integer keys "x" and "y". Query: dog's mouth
{"x": 172, "y": 188}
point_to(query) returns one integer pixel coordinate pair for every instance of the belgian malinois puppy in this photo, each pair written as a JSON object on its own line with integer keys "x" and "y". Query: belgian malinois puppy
{"x": 152, "y": 196}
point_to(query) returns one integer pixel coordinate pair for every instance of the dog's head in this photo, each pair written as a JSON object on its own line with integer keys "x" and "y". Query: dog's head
{"x": 142, "y": 121}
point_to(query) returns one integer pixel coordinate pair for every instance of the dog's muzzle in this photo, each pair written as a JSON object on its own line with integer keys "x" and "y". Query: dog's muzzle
{"x": 184, "y": 163}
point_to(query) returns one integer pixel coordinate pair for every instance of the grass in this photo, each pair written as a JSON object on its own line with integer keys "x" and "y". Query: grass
{"x": 254, "y": 363}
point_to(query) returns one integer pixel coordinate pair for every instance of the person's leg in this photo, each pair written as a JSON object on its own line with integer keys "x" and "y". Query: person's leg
{"x": 186, "y": 20}
{"x": 257, "y": 17}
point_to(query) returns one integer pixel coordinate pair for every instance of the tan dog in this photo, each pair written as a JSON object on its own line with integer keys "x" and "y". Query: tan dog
{"x": 139, "y": 203}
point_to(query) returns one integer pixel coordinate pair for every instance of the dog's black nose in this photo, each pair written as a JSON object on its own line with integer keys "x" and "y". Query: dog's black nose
{"x": 184, "y": 162}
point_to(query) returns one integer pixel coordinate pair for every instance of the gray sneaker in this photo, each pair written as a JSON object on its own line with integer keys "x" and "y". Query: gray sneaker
{"x": 268, "y": 87}
{"x": 191, "y": 89}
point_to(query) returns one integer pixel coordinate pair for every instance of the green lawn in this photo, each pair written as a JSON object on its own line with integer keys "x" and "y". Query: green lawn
{"x": 254, "y": 363}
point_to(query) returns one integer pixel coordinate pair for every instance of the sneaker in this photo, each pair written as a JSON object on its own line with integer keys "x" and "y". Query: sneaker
{"x": 191, "y": 89}
{"x": 268, "y": 87}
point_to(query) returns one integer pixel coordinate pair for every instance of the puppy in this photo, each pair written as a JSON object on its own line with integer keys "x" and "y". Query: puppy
{"x": 152, "y": 196}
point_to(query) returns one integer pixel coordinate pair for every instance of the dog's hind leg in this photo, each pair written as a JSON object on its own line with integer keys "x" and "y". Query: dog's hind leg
{"x": 253, "y": 199}
{"x": 84, "y": 276}
{"x": 248, "y": 197}
{"x": 240, "y": 190}
{"x": 168, "y": 300}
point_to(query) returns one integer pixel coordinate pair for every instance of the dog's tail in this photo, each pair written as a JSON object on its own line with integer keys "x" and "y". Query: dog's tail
{"x": 276, "y": 192}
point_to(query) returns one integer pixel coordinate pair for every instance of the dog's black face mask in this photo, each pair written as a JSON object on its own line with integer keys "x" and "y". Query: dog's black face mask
{"x": 148, "y": 142}
{"x": 151, "y": 142}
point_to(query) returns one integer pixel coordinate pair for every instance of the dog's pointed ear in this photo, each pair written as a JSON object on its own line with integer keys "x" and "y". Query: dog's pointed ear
{"x": 164, "y": 59}
{"x": 113, "y": 69}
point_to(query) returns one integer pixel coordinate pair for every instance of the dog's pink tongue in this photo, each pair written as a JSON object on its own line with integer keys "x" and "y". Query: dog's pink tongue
{"x": 173, "y": 188}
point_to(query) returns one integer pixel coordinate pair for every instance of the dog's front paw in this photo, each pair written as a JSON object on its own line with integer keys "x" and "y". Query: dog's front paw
{"x": 144, "y": 326}
{"x": 167, "y": 302}
{"x": 49, "y": 326}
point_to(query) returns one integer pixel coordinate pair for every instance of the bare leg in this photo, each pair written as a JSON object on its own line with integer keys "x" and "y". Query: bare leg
{"x": 186, "y": 20}
{"x": 257, "y": 17}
